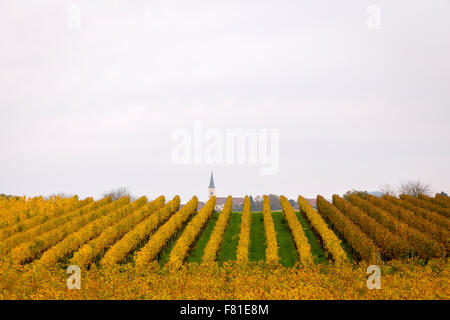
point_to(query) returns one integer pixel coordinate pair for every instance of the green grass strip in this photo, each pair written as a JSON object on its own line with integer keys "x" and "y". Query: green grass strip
{"x": 164, "y": 255}
{"x": 317, "y": 250}
{"x": 196, "y": 253}
{"x": 228, "y": 248}
{"x": 257, "y": 250}
{"x": 286, "y": 246}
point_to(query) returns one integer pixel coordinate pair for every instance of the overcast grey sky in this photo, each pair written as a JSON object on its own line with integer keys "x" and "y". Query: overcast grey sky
{"x": 84, "y": 110}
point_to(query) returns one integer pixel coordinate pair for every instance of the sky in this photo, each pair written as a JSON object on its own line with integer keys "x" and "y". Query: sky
{"x": 91, "y": 93}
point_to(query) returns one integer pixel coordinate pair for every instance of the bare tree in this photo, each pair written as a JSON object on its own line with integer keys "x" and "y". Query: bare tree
{"x": 388, "y": 190}
{"x": 118, "y": 193}
{"x": 414, "y": 188}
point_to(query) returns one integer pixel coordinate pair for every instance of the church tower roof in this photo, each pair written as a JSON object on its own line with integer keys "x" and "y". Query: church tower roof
{"x": 211, "y": 181}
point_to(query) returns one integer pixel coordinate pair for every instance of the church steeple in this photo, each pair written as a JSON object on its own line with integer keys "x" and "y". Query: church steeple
{"x": 211, "y": 181}
{"x": 211, "y": 188}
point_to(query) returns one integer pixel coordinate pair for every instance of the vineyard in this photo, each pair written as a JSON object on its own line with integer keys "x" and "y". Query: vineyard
{"x": 268, "y": 254}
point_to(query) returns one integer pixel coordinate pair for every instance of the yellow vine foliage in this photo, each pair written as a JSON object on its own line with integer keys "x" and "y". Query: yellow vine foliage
{"x": 75, "y": 240}
{"x": 88, "y": 252}
{"x": 443, "y": 200}
{"x": 39, "y": 225}
{"x": 271, "y": 236}
{"x": 432, "y": 230}
{"x": 12, "y": 210}
{"x": 166, "y": 232}
{"x": 216, "y": 238}
{"x": 424, "y": 213}
{"x": 392, "y": 245}
{"x": 401, "y": 280}
{"x": 190, "y": 234}
{"x": 57, "y": 222}
{"x": 31, "y": 250}
{"x": 119, "y": 251}
{"x": 16, "y": 211}
{"x": 301, "y": 242}
{"x": 244, "y": 236}
{"x": 358, "y": 240}
{"x": 330, "y": 241}
{"x": 424, "y": 203}
{"x": 52, "y": 210}
{"x": 436, "y": 201}
{"x": 426, "y": 248}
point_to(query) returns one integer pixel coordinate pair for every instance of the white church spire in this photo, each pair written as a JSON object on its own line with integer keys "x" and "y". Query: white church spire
{"x": 211, "y": 188}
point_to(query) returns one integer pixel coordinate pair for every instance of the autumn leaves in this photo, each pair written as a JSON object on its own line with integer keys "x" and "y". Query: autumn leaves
{"x": 107, "y": 233}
